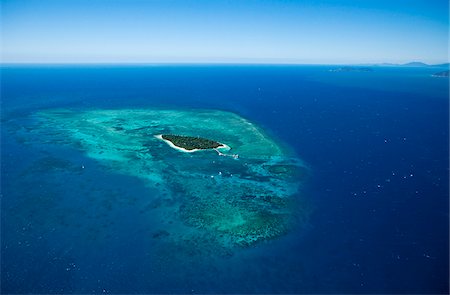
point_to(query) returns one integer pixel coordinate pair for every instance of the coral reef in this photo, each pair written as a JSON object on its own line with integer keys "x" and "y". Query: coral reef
{"x": 234, "y": 201}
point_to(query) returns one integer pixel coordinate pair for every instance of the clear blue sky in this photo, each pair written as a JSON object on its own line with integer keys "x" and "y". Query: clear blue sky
{"x": 321, "y": 31}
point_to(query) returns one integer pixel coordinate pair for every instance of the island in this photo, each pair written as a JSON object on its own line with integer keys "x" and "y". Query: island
{"x": 441, "y": 74}
{"x": 190, "y": 144}
{"x": 352, "y": 69}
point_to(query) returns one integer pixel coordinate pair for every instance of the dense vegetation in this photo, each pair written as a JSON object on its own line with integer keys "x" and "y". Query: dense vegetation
{"x": 190, "y": 143}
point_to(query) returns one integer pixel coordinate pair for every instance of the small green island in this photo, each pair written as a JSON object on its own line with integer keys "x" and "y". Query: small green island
{"x": 190, "y": 143}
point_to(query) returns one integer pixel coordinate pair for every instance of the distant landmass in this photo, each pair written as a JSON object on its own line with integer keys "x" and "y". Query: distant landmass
{"x": 446, "y": 65}
{"x": 352, "y": 69}
{"x": 441, "y": 74}
{"x": 414, "y": 64}
{"x": 370, "y": 67}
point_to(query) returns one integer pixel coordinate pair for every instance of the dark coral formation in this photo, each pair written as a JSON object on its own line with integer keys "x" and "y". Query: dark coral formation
{"x": 245, "y": 228}
{"x": 287, "y": 171}
{"x": 241, "y": 221}
{"x": 191, "y": 143}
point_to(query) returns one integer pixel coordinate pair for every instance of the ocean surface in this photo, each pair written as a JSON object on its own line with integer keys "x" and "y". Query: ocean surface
{"x": 376, "y": 145}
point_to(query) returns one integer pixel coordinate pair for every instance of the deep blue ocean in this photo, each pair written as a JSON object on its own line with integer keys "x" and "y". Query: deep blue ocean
{"x": 377, "y": 144}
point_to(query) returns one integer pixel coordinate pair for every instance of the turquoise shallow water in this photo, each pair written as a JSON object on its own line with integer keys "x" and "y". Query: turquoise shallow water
{"x": 96, "y": 217}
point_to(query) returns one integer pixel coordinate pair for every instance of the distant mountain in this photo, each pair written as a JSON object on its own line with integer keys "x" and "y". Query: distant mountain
{"x": 414, "y": 64}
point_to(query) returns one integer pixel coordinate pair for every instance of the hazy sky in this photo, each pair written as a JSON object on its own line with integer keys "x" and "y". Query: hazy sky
{"x": 321, "y": 31}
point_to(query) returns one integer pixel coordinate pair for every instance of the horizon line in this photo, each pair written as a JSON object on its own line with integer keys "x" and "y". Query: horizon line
{"x": 149, "y": 63}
